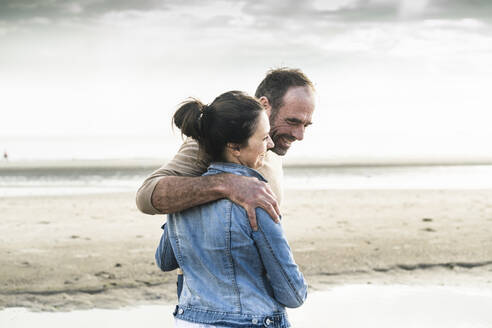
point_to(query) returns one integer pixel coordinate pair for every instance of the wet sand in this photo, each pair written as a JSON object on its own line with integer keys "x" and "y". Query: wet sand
{"x": 96, "y": 251}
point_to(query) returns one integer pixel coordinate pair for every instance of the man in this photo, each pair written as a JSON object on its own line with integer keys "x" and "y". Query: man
{"x": 288, "y": 97}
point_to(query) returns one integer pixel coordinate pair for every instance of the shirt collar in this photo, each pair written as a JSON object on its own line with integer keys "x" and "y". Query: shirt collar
{"x": 223, "y": 167}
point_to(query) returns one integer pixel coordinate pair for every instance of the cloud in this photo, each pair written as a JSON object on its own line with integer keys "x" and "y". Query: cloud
{"x": 391, "y": 10}
{"x": 360, "y": 11}
{"x": 99, "y": 34}
{"x": 458, "y": 9}
{"x": 14, "y": 10}
{"x": 410, "y": 8}
{"x": 338, "y": 10}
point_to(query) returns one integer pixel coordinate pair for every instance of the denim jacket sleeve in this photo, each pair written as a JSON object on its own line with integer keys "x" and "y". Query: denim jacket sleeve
{"x": 289, "y": 286}
{"x": 164, "y": 255}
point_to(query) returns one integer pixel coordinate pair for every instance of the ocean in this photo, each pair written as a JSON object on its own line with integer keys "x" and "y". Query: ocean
{"x": 79, "y": 177}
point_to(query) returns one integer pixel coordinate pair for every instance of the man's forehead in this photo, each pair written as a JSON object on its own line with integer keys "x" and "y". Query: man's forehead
{"x": 299, "y": 94}
{"x": 299, "y": 91}
{"x": 298, "y": 102}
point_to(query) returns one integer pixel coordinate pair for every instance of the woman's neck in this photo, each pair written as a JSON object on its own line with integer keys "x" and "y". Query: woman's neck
{"x": 229, "y": 158}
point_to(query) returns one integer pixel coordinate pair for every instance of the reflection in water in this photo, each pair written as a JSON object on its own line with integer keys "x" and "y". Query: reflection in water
{"x": 343, "y": 306}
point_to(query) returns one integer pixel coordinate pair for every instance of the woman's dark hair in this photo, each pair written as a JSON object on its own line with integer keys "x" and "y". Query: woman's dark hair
{"x": 231, "y": 118}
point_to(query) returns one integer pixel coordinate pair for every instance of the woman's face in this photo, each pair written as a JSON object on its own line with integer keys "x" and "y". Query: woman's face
{"x": 254, "y": 153}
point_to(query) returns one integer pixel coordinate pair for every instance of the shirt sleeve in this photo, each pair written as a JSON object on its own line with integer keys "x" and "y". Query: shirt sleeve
{"x": 186, "y": 162}
{"x": 289, "y": 286}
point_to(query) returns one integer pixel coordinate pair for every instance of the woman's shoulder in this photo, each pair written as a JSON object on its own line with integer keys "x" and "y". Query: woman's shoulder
{"x": 239, "y": 214}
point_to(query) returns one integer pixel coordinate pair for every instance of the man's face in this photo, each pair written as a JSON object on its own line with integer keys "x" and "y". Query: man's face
{"x": 292, "y": 118}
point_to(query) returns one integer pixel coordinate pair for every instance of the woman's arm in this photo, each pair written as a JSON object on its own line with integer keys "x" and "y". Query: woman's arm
{"x": 164, "y": 255}
{"x": 289, "y": 286}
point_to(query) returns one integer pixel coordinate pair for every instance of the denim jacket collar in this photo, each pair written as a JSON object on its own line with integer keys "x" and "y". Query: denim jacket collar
{"x": 224, "y": 167}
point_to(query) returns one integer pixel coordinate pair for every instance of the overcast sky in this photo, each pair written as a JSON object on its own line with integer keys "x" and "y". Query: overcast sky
{"x": 392, "y": 76}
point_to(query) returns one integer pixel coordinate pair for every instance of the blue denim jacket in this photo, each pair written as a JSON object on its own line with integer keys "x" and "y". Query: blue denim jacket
{"x": 233, "y": 276}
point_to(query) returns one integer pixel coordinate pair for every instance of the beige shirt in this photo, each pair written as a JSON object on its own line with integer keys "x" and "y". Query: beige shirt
{"x": 188, "y": 163}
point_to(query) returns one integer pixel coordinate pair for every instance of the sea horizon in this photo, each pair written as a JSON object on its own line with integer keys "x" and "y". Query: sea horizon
{"x": 292, "y": 162}
{"x": 74, "y": 177}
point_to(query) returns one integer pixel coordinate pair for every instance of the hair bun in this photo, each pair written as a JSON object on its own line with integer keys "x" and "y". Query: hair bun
{"x": 188, "y": 116}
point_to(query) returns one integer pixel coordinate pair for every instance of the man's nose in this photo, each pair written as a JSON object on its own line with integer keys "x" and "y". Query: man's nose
{"x": 298, "y": 132}
{"x": 270, "y": 143}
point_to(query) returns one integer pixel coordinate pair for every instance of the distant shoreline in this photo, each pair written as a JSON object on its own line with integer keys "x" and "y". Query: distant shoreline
{"x": 131, "y": 164}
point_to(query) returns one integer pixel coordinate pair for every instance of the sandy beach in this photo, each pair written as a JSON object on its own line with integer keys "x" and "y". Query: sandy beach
{"x": 60, "y": 253}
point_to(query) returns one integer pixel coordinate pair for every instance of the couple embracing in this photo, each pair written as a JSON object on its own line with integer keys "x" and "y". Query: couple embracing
{"x": 222, "y": 191}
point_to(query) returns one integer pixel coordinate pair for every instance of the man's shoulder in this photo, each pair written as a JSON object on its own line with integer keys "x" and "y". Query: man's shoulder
{"x": 273, "y": 172}
{"x": 188, "y": 161}
{"x": 189, "y": 146}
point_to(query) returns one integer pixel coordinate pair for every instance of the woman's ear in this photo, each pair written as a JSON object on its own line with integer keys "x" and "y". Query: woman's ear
{"x": 266, "y": 104}
{"x": 234, "y": 149}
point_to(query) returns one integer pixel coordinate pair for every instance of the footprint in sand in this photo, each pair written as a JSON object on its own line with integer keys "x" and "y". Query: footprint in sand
{"x": 105, "y": 275}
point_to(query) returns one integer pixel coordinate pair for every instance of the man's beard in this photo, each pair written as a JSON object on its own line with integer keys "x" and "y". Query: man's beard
{"x": 282, "y": 143}
{"x": 279, "y": 147}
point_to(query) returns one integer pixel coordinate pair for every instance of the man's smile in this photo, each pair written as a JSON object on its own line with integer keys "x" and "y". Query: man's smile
{"x": 286, "y": 140}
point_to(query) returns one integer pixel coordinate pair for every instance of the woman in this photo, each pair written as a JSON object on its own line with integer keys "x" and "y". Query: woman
{"x": 233, "y": 276}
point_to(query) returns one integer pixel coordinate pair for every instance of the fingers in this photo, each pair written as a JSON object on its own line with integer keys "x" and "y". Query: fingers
{"x": 272, "y": 211}
{"x": 265, "y": 199}
{"x": 275, "y": 211}
{"x": 251, "y": 211}
{"x": 269, "y": 205}
{"x": 251, "y": 193}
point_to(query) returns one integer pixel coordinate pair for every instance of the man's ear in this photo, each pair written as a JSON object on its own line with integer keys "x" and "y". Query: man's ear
{"x": 266, "y": 104}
